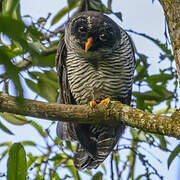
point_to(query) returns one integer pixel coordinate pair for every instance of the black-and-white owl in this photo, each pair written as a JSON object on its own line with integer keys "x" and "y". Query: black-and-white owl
{"x": 95, "y": 61}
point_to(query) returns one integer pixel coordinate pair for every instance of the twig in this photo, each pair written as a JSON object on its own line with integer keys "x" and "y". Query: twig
{"x": 46, "y": 161}
{"x": 132, "y": 160}
{"x": 48, "y": 51}
{"x": 117, "y": 168}
{"x": 112, "y": 171}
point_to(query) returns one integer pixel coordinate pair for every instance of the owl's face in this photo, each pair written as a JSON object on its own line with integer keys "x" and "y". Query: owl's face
{"x": 92, "y": 31}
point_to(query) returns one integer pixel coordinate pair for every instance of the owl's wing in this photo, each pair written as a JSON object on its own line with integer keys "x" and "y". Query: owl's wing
{"x": 65, "y": 96}
{"x": 129, "y": 45}
{"x": 65, "y": 131}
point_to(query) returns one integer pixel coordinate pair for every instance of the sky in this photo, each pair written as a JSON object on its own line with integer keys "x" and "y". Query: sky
{"x": 139, "y": 15}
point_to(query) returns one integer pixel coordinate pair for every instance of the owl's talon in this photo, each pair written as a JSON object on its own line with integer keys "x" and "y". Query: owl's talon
{"x": 105, "y": 101}
{"x": 92, "y": 103}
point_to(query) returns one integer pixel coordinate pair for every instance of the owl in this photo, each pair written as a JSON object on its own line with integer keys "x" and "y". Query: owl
{"x": 95, "y": 61}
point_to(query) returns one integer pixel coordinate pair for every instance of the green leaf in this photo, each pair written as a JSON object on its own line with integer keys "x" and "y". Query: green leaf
{"x": 46, "y": 61}
{"x": 88, "y": 172}
{"x": 52, "y": 75}
{"x": 70, "y": 146}
{"x": 159, "y": 78}
{"x": 98, "y": 176}
{"x": 175, "y": 153}
{"x": 59, "y": 159}
{"x": 72, "y": 2}
{"x": 58, "y": 141}
{"x": 11, "y": 7}
{"x": 17, "y": 165}
{"x": 141, "y": 68}
{"x": 32, "y": 85}
{"x": 14, "y": 118}
{"x": 17, "y": 12}
{"x": 5, "y": 129}
{"x": 47, "y": 90}
{"x": 99, "y": 6}
{"x": 104, "y": 167}
{"x": 163, "y": 142}
{"x": 3, "y": 154}
{"x": 142, "y": 136}
{"x": 119, "y": 15}
{"x": 63, "y": 12}
{"x": 19, "y": 36}
{"x": 55, "y": 176}
{"x": 28, "y": 143}
{"x": 162, "y": 92}
{"x": 10, "y": 69}
{"x": 31, "y": 159}
{"x": 149, "y": 95}
{"x": 47, "y": 84}
{"x": 110, "y": 4}
{"x": 6, "y": 144}
{"x": 158, "y": 94}
{"x": 19, "y": 33}
{"x": 18, "y": 27}
{"x": 38, "y": 128}
{"x": 70, "y": 166}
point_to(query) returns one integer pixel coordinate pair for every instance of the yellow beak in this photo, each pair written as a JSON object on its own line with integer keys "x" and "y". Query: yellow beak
{"x": 88, "y": 43}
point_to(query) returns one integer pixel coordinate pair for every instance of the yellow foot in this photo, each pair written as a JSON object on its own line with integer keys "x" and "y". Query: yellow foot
{"x": 92, "y": 103}
{"x": 105, "y": 101}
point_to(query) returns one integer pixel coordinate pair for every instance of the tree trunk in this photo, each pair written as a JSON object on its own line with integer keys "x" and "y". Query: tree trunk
{"x": 172, "y": 13}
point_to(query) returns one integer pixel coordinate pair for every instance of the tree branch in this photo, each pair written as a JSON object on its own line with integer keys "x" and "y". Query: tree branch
{"x": 172, "y": 13}
{"x": 49, "y": 51}
{"x": 113, "y": 113}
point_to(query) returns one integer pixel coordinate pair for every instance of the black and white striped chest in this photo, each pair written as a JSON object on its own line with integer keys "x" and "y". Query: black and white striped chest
{"x": 96, "y": 80}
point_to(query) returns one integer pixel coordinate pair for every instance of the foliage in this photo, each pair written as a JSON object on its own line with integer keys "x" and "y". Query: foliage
{"x": 27, "y": 54}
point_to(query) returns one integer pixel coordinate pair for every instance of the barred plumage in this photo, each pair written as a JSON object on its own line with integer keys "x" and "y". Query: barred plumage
{"x": 106, "y": 70}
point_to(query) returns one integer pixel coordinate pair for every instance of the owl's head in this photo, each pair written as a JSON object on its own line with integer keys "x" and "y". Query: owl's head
{"x": 92, "y": 31}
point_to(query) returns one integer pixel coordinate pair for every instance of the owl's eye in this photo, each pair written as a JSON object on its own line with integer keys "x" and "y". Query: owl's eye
{"x": 103, "y": 36}
{"x": 82, "y": 29}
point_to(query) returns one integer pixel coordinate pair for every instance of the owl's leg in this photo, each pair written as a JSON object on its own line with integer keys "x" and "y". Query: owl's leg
{"x": 104, "y": 101}
{"x": 92, "y": 103}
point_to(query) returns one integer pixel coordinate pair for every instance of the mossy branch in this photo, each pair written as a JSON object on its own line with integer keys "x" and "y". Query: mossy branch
{"x": 113, "y": 113}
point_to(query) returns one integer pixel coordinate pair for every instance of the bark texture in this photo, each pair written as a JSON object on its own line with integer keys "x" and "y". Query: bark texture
{"x": 172, "y": 13}
{"x": 113, "y": 113}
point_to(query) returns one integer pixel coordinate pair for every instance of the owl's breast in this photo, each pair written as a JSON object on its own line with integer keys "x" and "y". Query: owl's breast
{"x": 88, "y": 82}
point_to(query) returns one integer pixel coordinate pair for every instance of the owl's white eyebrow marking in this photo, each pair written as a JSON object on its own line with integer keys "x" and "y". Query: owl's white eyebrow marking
{"x": 89, "y": 22}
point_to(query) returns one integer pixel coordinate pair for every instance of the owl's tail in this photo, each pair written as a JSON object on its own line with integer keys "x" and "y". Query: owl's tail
{"x": 66, "y": 131}
{"x": 83, "y": 159}
{"x": 94, "y": 151}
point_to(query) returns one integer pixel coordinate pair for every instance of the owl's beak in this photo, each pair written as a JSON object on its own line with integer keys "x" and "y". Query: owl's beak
{"x": 88, "y": 43}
